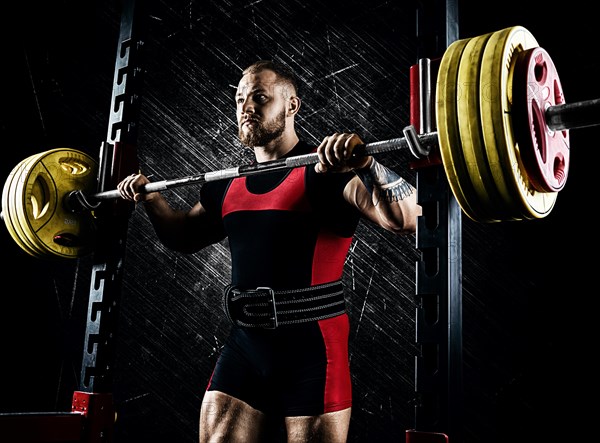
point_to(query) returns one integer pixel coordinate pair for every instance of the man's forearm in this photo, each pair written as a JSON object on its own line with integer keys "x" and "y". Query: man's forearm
{"x": 383, "y": 183}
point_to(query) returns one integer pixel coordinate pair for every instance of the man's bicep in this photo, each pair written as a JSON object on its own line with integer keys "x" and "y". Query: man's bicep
{"x": 197, "y": 211}
{"x": 358, "y": 196}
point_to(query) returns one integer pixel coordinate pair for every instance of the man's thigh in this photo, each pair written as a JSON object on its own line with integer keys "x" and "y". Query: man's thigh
{"x": 331, "y": 427}
{"x": 224, "y": 418}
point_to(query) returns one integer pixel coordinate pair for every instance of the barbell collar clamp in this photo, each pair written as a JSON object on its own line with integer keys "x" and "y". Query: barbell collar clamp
{"x": 414, "y": 144}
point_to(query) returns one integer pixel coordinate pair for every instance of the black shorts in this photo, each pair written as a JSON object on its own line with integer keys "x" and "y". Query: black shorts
{"x": 299, "y": 370}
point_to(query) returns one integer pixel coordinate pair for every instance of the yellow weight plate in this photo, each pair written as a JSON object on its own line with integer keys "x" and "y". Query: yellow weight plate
{"x": 36, "y": 201}
{"x": 21, "y": 222}
{"x": 447, "y": 129}
{"x": 6, "y": 210}
{"x": 46, "y": 183}
{"x": 490, "y": 205}
{"x": 509, "y": 174}
{"x": 9, "y": 204}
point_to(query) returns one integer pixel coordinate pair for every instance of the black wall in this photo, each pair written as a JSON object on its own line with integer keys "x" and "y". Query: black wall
{"x": 527, "y": 286}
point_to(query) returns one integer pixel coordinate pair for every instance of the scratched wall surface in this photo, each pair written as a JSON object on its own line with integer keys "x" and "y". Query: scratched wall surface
{"x": 526, "y": 322}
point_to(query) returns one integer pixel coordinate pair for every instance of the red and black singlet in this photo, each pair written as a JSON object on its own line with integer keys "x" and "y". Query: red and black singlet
{"x": 286, "y": 229}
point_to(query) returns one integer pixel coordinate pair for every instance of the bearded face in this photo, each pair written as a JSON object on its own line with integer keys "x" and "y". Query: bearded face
{"x": 261, "y": 133}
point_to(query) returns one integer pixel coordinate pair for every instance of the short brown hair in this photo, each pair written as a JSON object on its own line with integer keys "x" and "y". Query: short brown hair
{"x": 282, "y": 70}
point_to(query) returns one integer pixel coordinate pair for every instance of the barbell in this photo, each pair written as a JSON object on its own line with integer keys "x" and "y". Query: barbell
{"x": 502, "y": 136}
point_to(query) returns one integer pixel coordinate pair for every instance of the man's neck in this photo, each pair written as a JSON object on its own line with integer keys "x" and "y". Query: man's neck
{"x": 276, "y": 149}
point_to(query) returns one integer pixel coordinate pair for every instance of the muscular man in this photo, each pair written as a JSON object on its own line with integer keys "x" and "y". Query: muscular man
{"x": 289, "y": 233}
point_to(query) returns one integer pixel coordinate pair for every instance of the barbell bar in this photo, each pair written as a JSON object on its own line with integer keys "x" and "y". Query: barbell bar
{"x": 419, "y": 146}
{"x": 502, "y": 133}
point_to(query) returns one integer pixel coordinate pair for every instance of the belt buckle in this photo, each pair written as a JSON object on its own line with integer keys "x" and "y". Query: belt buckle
{"x": 271, "y": 293}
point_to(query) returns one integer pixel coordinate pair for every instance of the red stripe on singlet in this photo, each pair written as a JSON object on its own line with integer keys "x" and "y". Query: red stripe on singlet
{"x": 338, "y": 386}
{"x": 329, "y": 257}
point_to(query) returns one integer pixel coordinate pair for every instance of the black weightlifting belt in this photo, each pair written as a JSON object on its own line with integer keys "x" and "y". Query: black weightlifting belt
{"x": 267, "y": 308}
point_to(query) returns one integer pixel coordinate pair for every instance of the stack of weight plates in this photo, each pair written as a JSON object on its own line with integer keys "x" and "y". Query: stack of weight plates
{"x": 494, "y": 175}
{"x": 33, "y": 206}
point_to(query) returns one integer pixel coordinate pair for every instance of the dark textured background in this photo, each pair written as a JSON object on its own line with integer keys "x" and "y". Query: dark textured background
{"x": 528, "y": 286}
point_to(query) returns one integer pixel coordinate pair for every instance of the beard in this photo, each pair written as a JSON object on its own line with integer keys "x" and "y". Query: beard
{"x": 263, "y": 133}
